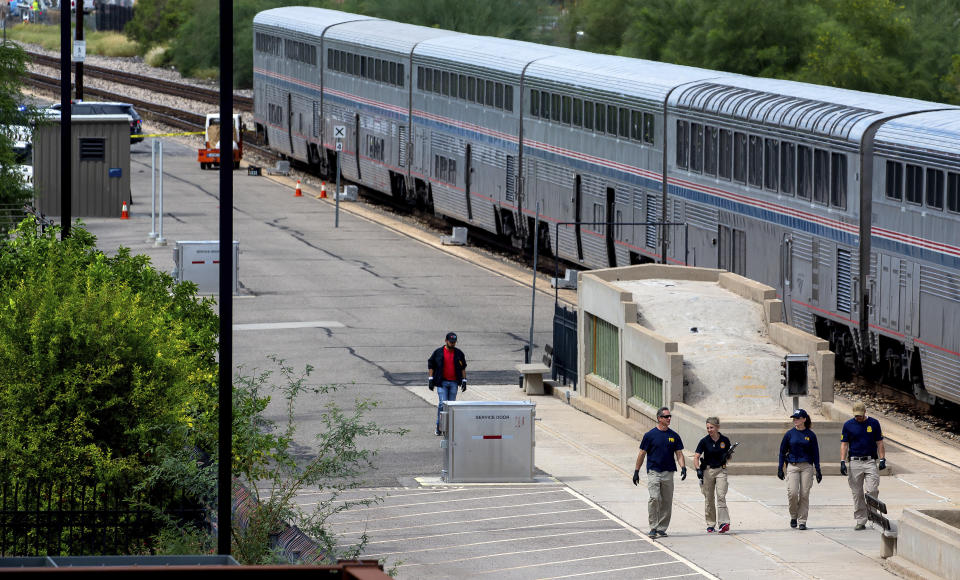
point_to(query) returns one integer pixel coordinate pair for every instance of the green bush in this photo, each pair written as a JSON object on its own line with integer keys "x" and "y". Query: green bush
{"x": 106, "y": 364}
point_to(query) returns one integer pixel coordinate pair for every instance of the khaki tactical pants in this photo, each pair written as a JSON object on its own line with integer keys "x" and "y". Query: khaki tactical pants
{"x": 714, "y": 490}
{"x": 863, "y": 477}
{"x": 799, "y": 481}
{"x": 660, "y": 504}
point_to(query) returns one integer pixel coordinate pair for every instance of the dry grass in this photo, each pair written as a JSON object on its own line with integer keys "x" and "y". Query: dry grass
{"x": 48, "y": 37}
{"x": 156, "y": 56}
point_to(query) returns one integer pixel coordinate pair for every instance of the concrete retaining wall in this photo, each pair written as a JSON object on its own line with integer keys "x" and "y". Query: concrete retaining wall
{"x": 659, "y": 355}
{"x": 930, "y": 540}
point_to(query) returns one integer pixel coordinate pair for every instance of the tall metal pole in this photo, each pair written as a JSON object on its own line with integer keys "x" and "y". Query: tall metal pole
{"x": 79, "y": 73}
{"x": 66, "y": 127}
{"x": 536, "y": 251}
{"x": 225, "y": 447}
{"x": 336, "y": 196}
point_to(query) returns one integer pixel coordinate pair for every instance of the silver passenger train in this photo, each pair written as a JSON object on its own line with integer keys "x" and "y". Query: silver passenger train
{"x": 847, "y": 202}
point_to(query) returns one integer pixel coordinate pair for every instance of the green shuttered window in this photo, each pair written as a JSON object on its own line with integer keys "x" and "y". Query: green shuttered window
{"x": 603, "y": 349}
{"x": 645, "y": 386}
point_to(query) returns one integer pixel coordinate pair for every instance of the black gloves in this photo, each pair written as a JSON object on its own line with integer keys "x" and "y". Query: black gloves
{"x": 819, "y": 476}
{"x": 700, "y": 474}
{"x": 843, "y": 467}
{"x": 780, "y": 474}
{"x": 463, "y": 385}
{"x": 683, "y": 473}
{"x": 883, "y": 464}
{"x": 636, "y": 477}
{"x": 430, "y": 384}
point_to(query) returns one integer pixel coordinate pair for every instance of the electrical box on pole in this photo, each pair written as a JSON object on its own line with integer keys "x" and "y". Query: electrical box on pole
{"x": 793, "y": 371}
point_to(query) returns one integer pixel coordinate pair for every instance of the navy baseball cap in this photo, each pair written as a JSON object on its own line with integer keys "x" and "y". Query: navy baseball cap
{"x": 799, "y": 414}
{"x": 452, "y": 336}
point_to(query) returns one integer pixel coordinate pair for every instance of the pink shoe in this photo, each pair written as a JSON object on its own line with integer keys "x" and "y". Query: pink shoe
{"x": 724, "y": 528}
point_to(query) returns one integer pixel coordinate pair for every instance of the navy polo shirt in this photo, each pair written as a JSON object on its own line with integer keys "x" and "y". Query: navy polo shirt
{"x": 862, "y": 437}
{"x": 660, "y": 447}
{"x": 713, "y": 453}
{"x": 800, "y": 447}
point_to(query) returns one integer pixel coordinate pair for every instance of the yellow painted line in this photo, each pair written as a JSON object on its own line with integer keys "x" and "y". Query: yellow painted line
{"x": 752, "y": 387}
{"x": 169, "y": 134}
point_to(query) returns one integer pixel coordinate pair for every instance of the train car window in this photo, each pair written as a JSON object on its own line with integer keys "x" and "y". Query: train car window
{"x": 725, "y": 154}
{"x": 545, "y": 105}
{"x": 894, "y": 185}
{"x": 588, "y": 115}
{"x": 612, "y": 120}
{"x": 601, "y": 117}
{"x": 577, "y": 112}
{"x": 382, "y": 71}
{"x": 365, "y": 70}
{"x": 420, "y": 74}
{"x": 330, "y": 58}
{"x": 838, "y": 180}
{"x": 499, "y": 99}
{"x": 648, "y": 128}
{"x": 472, "y": 89}
{"x": 401, "y": 77}
{"x": 771, "y": 164}
{"x": 490, "y": 94}
{"x": 343, "y": 61}
{"x": 914, "y": 183}
{"x": 462, "y": 87}
{"x": 696, "y": 147}
{"x": 740, "y": 157}
{"x": 710, "y": 142}
{"x": 350, "y": 63}
{"x": 567, "y": 113}
{"x": 804, "y": 171}
{"x": 953, "y": 191}
{"x": 437, "y": 81}
{"x": 428, "y": 79}
{"x": 755, "y": 168}
{"x": 508, "y": 97}
{"x": 683, "y": 143}
{"x": 393, "y": 73}
{"x": 788, "y": 167}
{"x": 624, "y": 122}
{"x": 445, "y": 83}
{"x": 356, "y": 64}
{"x": 934, "y": 188}
{"x": 534, "y": 103}
{"x": 452, "y": 171}
{"x": 821, "y": 175}
{"x": 555, "y": 107}
{"x": 635, "y": 121}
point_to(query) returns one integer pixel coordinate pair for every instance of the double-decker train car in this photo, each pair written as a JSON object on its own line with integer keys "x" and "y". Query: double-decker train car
{"x": 847, "y": 202}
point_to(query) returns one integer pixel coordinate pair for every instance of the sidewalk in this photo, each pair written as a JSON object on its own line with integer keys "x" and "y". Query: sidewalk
{"x": 597, "y": 461}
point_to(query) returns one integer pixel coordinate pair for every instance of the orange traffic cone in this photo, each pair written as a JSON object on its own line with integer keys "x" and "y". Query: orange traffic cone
{"x": 298, "y": 193}
{"x": 323, "y": 190}
{"x": 124, "y": 212}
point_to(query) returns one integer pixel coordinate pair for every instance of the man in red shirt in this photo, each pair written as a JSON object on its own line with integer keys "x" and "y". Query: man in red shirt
{"x": 446, "y": 370}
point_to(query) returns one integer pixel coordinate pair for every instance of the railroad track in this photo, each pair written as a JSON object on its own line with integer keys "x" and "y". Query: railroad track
{"x": 210, "y": 96}
{"x": 187, "y": 121}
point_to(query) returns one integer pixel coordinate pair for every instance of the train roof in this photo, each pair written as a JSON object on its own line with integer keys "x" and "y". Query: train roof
{"x": 386, "y": 35}
{"x": 510, "y": 56}
{"x": 935, "y": 131}
{"x": 305, "y": 19}
{"x": 617, "y": 74}
{"x": 829, "y": 111}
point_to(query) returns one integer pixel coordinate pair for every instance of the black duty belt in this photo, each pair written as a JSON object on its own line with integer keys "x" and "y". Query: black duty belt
{"x": 861, "y": 458}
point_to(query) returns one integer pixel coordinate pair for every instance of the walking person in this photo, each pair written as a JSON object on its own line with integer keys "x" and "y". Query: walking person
{"x": 861, "y": 442}
{"x": 800, "y": 457}
{"x": 710, "y": 461}
{"x": 662, "y": 448}
{"x": 446, "y": 371}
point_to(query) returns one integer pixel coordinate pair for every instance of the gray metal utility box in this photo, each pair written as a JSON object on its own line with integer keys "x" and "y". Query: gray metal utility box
{"x": 100, "y": 170}
{"x": 488, "y": 441}
{"x": 199, "y": 262}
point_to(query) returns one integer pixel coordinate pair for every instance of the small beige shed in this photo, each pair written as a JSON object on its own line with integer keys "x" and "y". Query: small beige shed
{"x": 101, "y": 165}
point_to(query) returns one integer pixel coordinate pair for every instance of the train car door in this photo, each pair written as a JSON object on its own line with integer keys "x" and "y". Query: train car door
{"x": 610, "y": 227}
{"x": 468, "y": 178}
{"x": 786, "y": 276}
{"x": 732, "y": 250}
{"x": 891, "y": 292}
{"x": 290, "y": 121}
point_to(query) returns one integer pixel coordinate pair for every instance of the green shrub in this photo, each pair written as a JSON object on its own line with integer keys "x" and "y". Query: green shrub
{"x": 106, "y": 364}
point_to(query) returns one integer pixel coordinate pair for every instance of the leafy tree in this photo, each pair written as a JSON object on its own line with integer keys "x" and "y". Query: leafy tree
{"x": 597, "y": 25}
{"x": 106, "y": 364}
{"x": 13, "y": 190}
{"x": 501, "y": 18}
{"x": 156, "y": 22}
